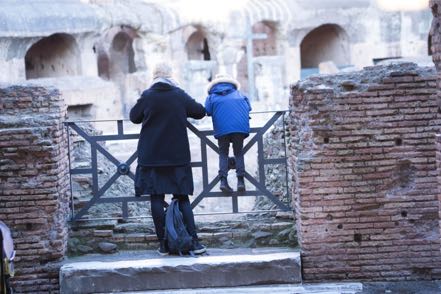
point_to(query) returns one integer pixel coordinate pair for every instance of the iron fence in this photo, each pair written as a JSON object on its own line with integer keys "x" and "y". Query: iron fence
{"x": 123, "y": 168}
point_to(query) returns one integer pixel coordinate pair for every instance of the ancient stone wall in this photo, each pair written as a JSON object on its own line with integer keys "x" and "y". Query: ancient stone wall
{"x": 435, "y": 44}
{"x": 438, "y": 166}
{"x": 34, "y": 183}
{"x": 435, "y": 33}
{"x": 364, "y": 174}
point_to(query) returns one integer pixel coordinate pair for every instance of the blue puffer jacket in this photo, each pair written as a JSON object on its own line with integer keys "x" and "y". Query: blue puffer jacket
{"x": 229, "y": 110}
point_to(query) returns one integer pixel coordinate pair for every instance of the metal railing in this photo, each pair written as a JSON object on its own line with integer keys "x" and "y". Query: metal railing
{"x": 122, "y": 168}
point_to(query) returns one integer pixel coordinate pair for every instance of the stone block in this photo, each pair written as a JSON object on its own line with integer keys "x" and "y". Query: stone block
{"x": 180, "y": 273}
{"x": 103, "y": 233}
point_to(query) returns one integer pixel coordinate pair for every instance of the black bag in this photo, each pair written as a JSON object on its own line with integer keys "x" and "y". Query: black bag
{"x": 178, "y": 239}
{"x": 7, "y": 258}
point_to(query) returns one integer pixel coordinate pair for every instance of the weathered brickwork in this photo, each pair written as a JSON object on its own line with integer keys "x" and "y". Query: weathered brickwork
{"x": 435, "y": 42}
{"x": 364, "y": 174}
{"x": 34, "y": 183}
{"x": 438, "y": 166}
{"x": 435, "y": 33}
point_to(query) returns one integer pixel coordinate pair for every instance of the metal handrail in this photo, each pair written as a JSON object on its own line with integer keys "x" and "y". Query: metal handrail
{"x": 127, "y": 119}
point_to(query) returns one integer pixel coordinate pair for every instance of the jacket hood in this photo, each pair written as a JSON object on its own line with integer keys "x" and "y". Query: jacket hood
{"x": 223, "y": 78}
{"x": 222, "y": 89}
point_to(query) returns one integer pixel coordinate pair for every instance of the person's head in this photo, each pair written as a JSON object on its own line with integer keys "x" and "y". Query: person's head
{"x": 223, "y": 78}
{"x": 162, "y": 69}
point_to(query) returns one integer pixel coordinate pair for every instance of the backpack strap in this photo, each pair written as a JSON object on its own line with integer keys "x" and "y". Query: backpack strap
{"x": 169, "y": 219}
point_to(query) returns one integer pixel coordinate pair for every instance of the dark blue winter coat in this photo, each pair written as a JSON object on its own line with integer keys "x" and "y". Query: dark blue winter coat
{"x": 229, "y": 110}
{"x": 163, "y": 110}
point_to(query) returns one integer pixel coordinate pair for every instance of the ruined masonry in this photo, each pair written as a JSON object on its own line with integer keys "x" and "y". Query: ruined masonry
{"x": 100, "y": 53}
{"x": 435, "y": 42}
{"x": 34, "y": 183}
{"x": 365, "y": 170}
{"x": 365, "y": 176}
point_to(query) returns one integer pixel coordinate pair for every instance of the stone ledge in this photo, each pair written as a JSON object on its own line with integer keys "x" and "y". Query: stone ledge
{"x": 223, "y": 270}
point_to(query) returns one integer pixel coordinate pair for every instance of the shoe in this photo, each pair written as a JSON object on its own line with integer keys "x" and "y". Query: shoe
{"x": 240, "y": 184}
{"x": 198, "y": 248}
{"x": 162, "y": 250}
{"x": 224, "y": 185}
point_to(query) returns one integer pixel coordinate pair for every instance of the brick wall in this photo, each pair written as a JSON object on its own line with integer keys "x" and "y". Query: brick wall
{"x": 435, "y": 42}
{"x": 435, "y": 33}
{"x": 364, "y": 173}
{"x": 438, "y": 166}
{"x": 34, "y": 183}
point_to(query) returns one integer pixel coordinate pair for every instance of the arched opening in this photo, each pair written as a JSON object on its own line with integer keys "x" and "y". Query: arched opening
{"x": 327, "y": 43}
{"x": 103, "y": 64}
{"x": 122, "y": 55}
{"x": 197, "y": 47}
{"x": 54, "y": 56}
{"x": 115, "y": 53}
{"x": 266, "y": 46}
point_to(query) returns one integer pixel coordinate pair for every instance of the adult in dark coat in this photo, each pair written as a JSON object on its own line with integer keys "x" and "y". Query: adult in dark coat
{"x": 163, "y": 150}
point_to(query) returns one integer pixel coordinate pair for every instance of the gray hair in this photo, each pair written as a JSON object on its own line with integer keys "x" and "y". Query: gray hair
{"x": 162, "y": 69}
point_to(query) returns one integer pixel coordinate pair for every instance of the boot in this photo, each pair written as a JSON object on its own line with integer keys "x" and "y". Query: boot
{"x": 162, "y": 250}
{"x": 224, "y": 185}
{"x": 240, "y": 184}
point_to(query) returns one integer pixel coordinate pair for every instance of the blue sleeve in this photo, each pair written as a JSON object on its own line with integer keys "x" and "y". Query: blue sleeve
{"x": 208, "y": 106}
{"x": 248, "y": 103}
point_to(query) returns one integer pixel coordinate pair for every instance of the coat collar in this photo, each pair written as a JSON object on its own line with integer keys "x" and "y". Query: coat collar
{"x": 160, "y": 86}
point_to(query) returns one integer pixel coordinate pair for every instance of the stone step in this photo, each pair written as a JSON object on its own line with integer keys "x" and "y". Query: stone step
{"x": 319, "y": 288}
{"x": 222, "y": 268}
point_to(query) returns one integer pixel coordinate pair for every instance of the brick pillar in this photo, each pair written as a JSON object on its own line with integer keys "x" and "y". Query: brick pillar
{"x": 435, "y": 37}
{"x": 364, "y": 174}
{"x": 435, "y": 33}
{"x": 438, "y": 165}
{"x": 34, "y": 183}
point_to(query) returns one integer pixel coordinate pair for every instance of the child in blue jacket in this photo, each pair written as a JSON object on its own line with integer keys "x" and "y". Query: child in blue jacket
{"x": 229, "y": 110}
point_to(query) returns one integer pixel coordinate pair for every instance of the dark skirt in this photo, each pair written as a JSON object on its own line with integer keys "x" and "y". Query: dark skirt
{"x": 164, "y": 180}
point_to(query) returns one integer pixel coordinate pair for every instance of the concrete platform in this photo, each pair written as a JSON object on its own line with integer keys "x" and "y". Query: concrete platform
{"x": 222, "y": 268}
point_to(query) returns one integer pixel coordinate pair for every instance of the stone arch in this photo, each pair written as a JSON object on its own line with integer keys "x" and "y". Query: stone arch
{"x": 267, "y": 46}
{"x": 328, "y": 42}
{"x": 54, "y": 56}
{"x": 116, "y": 55}
{"x": 197, "y": 46}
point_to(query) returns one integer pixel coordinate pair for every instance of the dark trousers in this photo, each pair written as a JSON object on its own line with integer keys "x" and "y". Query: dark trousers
{"x": 224, "y": 146}
{"x": 158, "y": 214}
